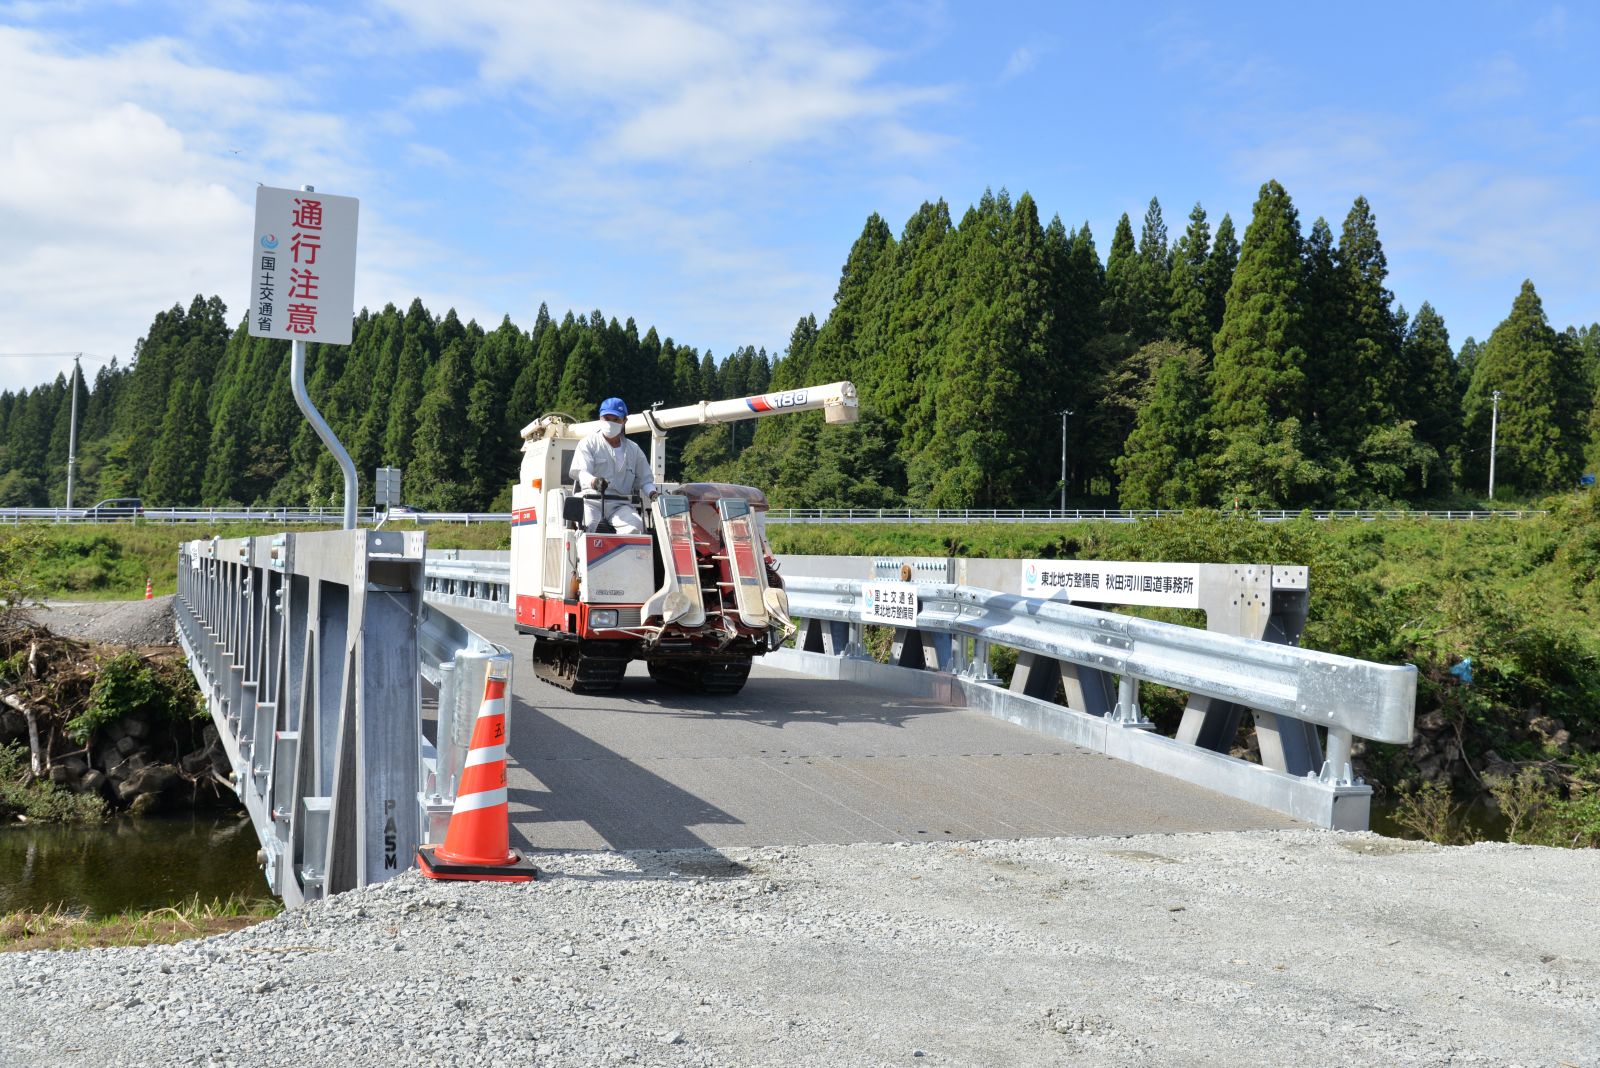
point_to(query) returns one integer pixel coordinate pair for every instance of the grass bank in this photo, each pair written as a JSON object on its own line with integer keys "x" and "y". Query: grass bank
{"x": 112, "y": 561}
{"x": 60, "y": 929}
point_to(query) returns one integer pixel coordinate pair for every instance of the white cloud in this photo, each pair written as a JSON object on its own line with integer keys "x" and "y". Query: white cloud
{"x": 672, "y": 138}
{"x": 127, "y": 187}
{"x": 1446, "y": 220}
{"x": 1551, "y": 26}
{"x": 716, "y": 83}
{"x": 1496, "y": 79}
{"x": 1021, "y": 62}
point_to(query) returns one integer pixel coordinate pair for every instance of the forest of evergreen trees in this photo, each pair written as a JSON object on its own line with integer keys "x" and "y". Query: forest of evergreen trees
{"x": 1272, "y": 371}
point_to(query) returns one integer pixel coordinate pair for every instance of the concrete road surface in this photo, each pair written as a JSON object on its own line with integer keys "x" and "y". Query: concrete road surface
{"x": 793, "y": 760}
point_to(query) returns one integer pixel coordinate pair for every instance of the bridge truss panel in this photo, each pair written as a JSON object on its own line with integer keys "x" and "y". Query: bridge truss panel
{"x": 306, "y": 647}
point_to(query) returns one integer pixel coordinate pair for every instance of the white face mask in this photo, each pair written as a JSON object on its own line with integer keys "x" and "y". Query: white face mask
{"x": 612, "y": 429}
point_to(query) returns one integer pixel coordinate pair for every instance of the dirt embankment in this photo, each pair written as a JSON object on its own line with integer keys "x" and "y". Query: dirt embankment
{"x": 99, "y": 697}
{"x": 130, "y": 623}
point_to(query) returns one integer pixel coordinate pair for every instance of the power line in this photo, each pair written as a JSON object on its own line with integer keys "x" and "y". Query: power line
{"x": 55, "y": 356}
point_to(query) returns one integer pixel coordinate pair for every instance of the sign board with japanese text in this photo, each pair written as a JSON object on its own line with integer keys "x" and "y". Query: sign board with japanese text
{"x": 1113, "y": 582}
{"x": 303, "y": 266}
{"x": 892, "y": 604}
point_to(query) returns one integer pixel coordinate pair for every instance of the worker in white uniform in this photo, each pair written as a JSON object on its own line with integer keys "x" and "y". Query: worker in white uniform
{"x": 607, "y": 462}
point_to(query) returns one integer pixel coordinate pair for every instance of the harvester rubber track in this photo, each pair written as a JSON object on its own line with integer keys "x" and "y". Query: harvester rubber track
{"x": 714, "y": 678}
{"x": 572, "y": 667}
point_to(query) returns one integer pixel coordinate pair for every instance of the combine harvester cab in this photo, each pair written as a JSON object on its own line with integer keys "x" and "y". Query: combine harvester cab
{"x": 696, "y": 596}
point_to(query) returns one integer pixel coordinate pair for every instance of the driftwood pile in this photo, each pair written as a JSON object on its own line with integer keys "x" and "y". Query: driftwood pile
{"x": 145, "y": 761}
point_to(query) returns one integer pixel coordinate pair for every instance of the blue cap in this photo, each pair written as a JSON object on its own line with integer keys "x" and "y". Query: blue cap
{"x": 614, "y": 406}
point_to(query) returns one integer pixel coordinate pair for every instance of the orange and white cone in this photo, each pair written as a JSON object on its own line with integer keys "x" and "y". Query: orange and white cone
{"x": 477, "y": 844}
{"x": 149, "y": 595}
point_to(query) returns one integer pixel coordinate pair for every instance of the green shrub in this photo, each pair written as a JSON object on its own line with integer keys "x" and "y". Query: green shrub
{"x": 1434, "y": 814}
{"x": 41, "y": 801}
{"x": 127, "y": 685}
{"x": 1572, "y": 824}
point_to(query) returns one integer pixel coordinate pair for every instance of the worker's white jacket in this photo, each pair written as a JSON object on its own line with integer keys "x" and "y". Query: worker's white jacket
{"x": 624, "y": 467}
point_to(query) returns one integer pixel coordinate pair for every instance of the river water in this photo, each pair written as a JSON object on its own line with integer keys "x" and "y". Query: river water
{"x": 128, "y": 863}
{"x": 149, "y": 863}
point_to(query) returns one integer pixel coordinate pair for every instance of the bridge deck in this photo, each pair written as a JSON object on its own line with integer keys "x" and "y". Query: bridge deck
{"x": 796, "y": 760}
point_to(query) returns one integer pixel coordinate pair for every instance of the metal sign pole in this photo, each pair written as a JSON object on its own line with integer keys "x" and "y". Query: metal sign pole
{"x": 297, "y": 382}
{"x": 297, "y": 360}
{"x": 72, "y": 434}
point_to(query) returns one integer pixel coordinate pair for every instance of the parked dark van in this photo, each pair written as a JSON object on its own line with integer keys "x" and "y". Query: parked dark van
{"x": 115, "y": 508}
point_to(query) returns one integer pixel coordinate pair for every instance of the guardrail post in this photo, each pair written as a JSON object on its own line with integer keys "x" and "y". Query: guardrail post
{"x": 1127, "y": 711}
{"x": 978, "y": 669}
{"x": 1268, "y": 604}
{"x": 1336, "y": 769}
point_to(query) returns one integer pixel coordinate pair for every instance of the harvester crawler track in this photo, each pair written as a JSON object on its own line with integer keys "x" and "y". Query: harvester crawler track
{"x": 586, "y": 667}
{"x": 713, "y": 677}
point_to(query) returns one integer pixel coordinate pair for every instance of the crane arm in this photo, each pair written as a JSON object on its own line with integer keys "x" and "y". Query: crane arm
{"x": 836, "y": 399}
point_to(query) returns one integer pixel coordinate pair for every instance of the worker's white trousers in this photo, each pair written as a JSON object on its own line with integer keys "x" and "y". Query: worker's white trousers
{"x": 623, "y": 515}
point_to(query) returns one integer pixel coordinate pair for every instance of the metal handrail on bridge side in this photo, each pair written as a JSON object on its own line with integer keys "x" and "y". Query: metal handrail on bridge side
{"x": 309, "y": 514}
{"x": 1308, "y": 706}
{"x": 1084, "y": 648}
{"x": 1110, "y": 515}
{"x": 310, "y": 649}
{"x": 479, "y": 580}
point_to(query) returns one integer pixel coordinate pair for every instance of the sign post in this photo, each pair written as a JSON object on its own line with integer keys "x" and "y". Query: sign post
{"x": 386, "y": 489}
{"x": 302, "y": 283}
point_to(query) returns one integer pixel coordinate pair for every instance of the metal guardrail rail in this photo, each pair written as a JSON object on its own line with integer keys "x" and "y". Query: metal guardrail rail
{"x": 1098, "y": 660}
{"x": 1308, "y": 706}
{"x": 480, "y": 581}
{"x": 286, "y": 514}
{"x": 777, "y": 515}
{"x": 310, "y": 650}
{"x": 1112, "y": 515}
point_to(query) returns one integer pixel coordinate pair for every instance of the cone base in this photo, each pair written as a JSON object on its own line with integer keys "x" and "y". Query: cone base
{"x": 520, "y": 870}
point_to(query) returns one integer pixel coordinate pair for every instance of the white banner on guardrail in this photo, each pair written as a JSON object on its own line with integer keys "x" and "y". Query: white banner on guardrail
{"x": 893, "y": 604}
{"x": 1114, "y": 582}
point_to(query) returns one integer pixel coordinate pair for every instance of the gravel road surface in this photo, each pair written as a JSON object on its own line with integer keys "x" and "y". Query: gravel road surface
{"x": 1240, "y": 948}
{"x": 136, "y": 623}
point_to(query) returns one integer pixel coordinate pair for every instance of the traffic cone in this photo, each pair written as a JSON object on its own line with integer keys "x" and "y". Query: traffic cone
{"x": 149, "y": 595}
{"x": 477, "y": 844}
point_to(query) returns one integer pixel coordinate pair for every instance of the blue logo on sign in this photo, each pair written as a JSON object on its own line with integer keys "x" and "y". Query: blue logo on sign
{"x": 269, "y": 241}
{"x": 1031, "y": 576}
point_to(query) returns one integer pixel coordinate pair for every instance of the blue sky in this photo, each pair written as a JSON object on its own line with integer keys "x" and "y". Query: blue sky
{"x": 704, "y": 167}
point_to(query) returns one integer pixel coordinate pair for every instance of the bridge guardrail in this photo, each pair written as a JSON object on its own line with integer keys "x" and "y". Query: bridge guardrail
{"x": 1112, "y": 515}
{"x": 1308, "y": 706}
{"x": 285, "y": 514}
{"x": 1098, "y": 659}
{"x": 295, "y": 514}
{"x": 456, "y": 661}
{"x": 483, "y": 585}
{"x": 309, "y": 649}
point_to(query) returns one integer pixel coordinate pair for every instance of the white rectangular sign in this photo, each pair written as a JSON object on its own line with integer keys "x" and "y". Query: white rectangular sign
{"x": 303, "y": 266}
{"x": 893, "y": 604}
{"x": 1113, "y": 582}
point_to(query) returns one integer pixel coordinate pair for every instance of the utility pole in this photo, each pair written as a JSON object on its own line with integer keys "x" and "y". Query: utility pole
{"x": 72, "y": 433}
{"x": 1494, "y": 428}
{"x": 1064, "y": 413}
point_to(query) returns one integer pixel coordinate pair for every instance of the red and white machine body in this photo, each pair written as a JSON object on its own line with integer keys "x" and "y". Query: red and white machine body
{"x": 695, "y": 596}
